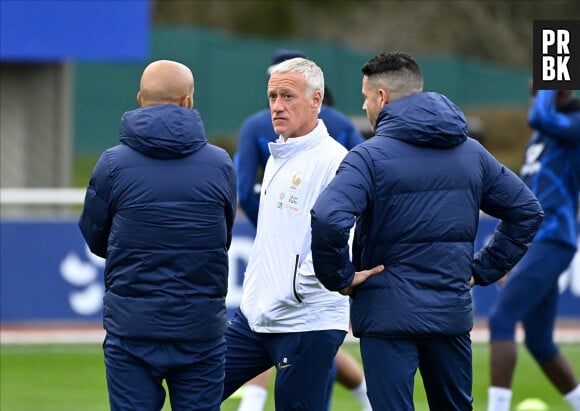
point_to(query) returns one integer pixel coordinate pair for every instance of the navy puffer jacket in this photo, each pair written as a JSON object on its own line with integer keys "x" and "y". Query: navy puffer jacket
{"x": 415, "y": 190}
{"x": 160, "y": 208}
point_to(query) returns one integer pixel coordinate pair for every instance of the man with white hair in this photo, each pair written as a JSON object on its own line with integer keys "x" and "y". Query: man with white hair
{"x": 251, "y": 157}
{"x": 286, "y": 317}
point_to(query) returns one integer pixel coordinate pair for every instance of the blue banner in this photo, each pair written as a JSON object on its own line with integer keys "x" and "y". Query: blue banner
{"x": 80, "y": 30}
{"x": 47, "y": 273}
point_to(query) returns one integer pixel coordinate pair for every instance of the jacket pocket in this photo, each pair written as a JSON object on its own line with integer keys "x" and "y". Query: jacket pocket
{"x": 295, "y": 278}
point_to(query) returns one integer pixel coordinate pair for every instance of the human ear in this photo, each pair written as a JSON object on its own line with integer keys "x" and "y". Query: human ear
{"x": 383, "y": 96}
{"x": 186, "y": 102}
{"x": 316, "y": 99}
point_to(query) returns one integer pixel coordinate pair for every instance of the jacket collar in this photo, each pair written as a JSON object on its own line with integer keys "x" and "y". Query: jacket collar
{"x": 292, "y": 146}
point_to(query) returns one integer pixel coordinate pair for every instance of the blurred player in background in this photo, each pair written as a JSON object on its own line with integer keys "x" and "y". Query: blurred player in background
{"x": 530, "y": 293}
{"x": 160, "y": 209}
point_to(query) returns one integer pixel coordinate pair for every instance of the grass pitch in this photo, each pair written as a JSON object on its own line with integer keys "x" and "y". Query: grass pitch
{"x": 67, "y": 377}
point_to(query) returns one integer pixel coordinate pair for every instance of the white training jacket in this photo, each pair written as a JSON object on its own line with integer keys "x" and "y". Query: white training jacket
{"x": 280, "y": 293}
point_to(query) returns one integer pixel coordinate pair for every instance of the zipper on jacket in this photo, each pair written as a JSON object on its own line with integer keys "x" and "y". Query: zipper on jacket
{"x": 294, "y": 282}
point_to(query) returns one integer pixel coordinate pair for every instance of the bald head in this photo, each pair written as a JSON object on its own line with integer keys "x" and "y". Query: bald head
{"x": 166, "y": 82}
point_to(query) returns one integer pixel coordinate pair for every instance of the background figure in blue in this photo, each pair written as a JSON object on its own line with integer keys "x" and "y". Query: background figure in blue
{"x": 415, "y": 190}
{"x": 160, "y": 209}
{"x": 530, "y": 294}
{"x": 252, "y": 153}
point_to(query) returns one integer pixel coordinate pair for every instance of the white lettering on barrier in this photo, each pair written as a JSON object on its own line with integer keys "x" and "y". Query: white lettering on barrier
{"x": 570, "y": 279}
{"x": 239, "y": 253}
{"x": 88, "y": 301}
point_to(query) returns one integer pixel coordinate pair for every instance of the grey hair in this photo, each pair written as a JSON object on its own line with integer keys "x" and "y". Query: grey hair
{"x": 307, "y": 68}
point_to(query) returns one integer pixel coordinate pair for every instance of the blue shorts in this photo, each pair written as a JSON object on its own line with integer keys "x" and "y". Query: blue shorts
{"x": 531, "y": 291}
{"x": 303, "y": 361}
{"x": 530, "y": 295}
{"x": 194, "y": 373}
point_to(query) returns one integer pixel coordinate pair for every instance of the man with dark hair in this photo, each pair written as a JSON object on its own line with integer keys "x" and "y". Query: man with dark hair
{"x": 415, "y": 191}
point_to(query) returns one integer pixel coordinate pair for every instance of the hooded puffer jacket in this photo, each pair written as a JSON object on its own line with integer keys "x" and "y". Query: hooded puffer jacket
{"x": 160, "y": 208}
{"x": 415, "y": 190}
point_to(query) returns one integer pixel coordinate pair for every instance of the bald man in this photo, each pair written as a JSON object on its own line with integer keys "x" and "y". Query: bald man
{"x": 166, "y": 82}
{"x": 160, "y": 209}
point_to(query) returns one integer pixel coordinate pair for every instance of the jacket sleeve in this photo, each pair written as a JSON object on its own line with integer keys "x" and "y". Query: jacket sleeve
{"x": 332, "y": 218}
{"x": 96, "y": 217}
{"x": 231, "y": 200}
{"x": 507, "y": 198}
{"x": 247, "y": 165}
{"x": 544, "y": 117}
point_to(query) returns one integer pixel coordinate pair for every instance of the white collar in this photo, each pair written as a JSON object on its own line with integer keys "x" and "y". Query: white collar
{"x": 289, "y": 148}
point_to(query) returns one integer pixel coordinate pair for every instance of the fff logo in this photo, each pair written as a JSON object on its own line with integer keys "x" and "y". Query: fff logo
{"x": 555, "y": 54}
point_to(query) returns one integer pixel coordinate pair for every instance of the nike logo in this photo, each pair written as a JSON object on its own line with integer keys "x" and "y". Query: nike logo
{"x": 283, "y": 364}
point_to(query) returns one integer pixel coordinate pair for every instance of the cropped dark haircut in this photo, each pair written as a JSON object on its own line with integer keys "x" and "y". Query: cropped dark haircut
{"x": 391, "y": 62}
{"x": 397, "y": 71}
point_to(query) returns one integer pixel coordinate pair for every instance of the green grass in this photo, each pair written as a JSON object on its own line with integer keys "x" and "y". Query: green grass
{"x": 72, "y": 378}
{"x": 83, "y": 165}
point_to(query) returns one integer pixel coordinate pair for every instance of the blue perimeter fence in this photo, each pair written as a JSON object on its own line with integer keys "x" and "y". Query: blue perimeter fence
{"x": 48, "y": 275}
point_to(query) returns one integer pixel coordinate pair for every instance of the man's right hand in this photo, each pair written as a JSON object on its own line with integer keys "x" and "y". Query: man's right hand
{"x": 360, "y": 277}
